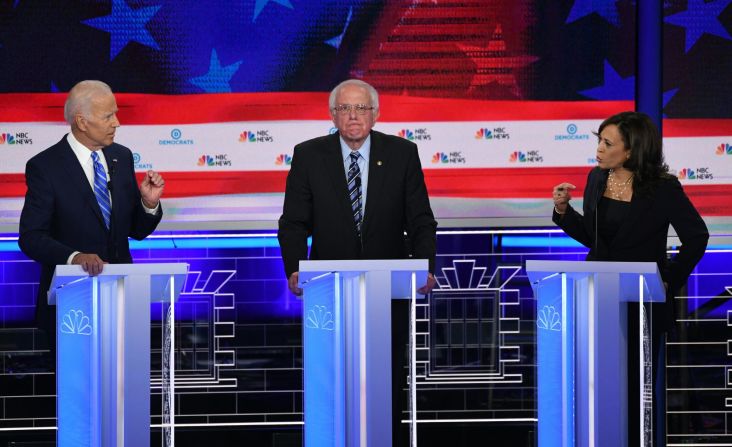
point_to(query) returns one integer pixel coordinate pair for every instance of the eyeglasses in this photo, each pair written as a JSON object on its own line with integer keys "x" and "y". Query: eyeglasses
{"x": 345, "y": 109}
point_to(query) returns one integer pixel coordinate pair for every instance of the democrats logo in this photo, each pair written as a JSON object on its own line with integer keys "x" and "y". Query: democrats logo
{"x": 176, "y": 138}
{"x": 723, "y": 149}
{"x": 571, "y": 133}
{"x": 497, "y": 133}
{"x": 696, "y": 174}
{"x": 525, "y": 157}
{"x": 15, "y": 138}
{"x": 259, "y": 136}
{"x": 283, "y": 160}
{"x": 219, "y": 160}
{"x": 448, "y": 158}
{"x": 139, "y": 165}
{"x": 420, "y": 134}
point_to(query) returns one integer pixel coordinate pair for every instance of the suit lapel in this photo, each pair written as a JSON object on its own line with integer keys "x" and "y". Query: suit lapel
{"x": 377, "y": 173}
{"x": 77, "y": 177}
{"x": 334, "y": 166}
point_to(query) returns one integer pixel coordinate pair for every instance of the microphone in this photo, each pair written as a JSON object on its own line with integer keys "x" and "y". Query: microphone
{"x": 112, "y": 168}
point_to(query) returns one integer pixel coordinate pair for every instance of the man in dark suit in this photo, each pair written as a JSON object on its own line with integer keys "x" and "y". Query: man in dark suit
{"x": 357, "y": 192}
{"x": 83, "y": 201}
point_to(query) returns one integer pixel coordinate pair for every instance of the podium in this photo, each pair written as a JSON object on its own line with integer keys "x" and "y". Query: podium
{"x": 582, "y": 345}
{"x": 347, "y": 348}
{"x": 103, "y": 352}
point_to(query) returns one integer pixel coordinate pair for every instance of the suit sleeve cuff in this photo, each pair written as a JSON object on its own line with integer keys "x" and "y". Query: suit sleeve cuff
{"x": 71, "y": 257}
{"x": 153, "y": 211}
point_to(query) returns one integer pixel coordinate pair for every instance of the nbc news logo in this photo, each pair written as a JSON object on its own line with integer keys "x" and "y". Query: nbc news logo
{"x": 497, "y": 133}
{"x": 724, "y": 148}
{"x": 283, "y": 160}
{"x": 448, "y": 157}
{"x": 218, "y": 160}
{"x": 16, "y": 138}
{"x": 525, "y": 157}
{"x": 419, "y": 134}
{"x": 260, "y": 136}
{"x": 696, "y": 174}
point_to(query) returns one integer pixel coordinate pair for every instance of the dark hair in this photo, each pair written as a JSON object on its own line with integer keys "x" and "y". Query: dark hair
{"x": 640, "y": 136}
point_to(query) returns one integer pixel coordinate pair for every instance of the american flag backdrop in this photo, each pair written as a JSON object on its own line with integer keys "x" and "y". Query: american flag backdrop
{"x": 453, "y": 74}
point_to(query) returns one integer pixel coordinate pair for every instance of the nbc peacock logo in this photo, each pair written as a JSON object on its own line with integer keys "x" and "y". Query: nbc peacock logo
{"x": 484, "y": 133}
{"x": 687, "y": 174}
{"x": 205, "y": 160}
{"x": 415, "y": 134}
{"x": 247, "y": 136}
{"x": 724, "y": 148}
{"x": 440, "y": 157}
{"x": 517, "y": 156}
{"x": 7, "y": 138}
{"x": 283, "y": 160}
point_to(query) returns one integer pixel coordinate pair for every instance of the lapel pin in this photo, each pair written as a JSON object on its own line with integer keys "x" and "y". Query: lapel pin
{"x": 379, "y": 163}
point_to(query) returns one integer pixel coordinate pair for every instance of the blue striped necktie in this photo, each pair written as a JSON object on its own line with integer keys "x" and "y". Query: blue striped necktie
{"x": 354, "y": 190}
{"x": 100, "y": 189}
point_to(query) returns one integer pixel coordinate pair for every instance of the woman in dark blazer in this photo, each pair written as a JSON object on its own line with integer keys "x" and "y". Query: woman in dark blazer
{"x": 629, "y": 202}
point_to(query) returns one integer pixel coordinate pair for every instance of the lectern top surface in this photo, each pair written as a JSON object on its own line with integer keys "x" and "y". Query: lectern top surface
{"x": 362, "y": 265}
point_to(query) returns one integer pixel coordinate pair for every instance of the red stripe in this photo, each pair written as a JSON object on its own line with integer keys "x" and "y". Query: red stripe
{"x": 498, "y": 183}
{"x": 698, "y": 128}
{"x": 137, "y": 108}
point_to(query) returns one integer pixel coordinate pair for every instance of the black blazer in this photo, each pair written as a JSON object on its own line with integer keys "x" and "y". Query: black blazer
{"x": 643, "y": 235}
{"x": 316, "y": 204}
{"x": 61, "y": 215}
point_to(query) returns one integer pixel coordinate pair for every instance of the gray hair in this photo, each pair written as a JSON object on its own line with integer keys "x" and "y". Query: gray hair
{"x": 373, "y": 94}
{"x": 80, "y": 96}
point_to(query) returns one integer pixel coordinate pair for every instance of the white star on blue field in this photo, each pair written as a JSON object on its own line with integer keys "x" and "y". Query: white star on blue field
{"x": 336, "y": 41}
{"x": 218, "y": 77}
{"x": 259, "y": 6}
{"x": 700, "y": 18}
{"x": 614, "y": 87}
{"x": 125, "y": 25}
{"x": 617, "y": 88}
{"x": 605, "y": 8}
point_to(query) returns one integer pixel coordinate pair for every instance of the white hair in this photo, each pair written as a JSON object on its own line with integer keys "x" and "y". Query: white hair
{"x": 373, "y": 94}
{"x": 80, "y": 97}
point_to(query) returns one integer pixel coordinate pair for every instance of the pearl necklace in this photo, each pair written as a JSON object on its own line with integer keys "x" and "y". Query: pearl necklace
{"x": 615, "y": 188}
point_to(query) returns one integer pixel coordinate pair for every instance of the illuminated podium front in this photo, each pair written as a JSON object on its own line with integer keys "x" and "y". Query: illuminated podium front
{"x": 347, "y": 348}
{"x": 103, "y": 352}
{"x": 582, "y": 344}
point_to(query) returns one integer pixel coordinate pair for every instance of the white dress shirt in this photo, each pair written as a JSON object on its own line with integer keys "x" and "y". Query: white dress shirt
{"x": 363, "y": 165}
{"x": 83, "y": 154}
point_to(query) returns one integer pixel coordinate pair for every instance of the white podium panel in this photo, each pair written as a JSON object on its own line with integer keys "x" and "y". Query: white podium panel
{"x": 582, "y": 349}
{"x": 103, "y": 352}
{"x": 347, "y": 348}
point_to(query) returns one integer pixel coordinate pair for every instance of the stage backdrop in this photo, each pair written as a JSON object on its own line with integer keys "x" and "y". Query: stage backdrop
{"x": 501, "y": 96}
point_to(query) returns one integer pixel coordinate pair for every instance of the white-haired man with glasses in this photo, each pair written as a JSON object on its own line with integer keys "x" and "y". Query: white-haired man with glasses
{"x": 357, "y": 193}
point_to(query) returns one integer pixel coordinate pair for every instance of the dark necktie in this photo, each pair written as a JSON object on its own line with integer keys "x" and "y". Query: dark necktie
{"x": 354, "y": 191}
{"x": 100, "y": 189}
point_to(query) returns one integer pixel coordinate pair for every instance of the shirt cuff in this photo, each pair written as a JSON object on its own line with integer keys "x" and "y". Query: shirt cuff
{"x": 150, "y": 210}
{"x": 71, "y": 257}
